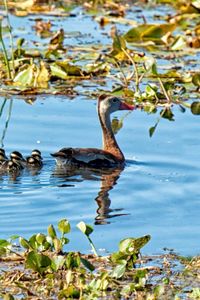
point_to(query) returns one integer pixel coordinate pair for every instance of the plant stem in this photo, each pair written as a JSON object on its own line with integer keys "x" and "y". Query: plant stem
{"x": 135, "y": 70}
{"x": 92, "y": 246}
{"x": 169, "y": 100}
{"x": 10, "y": 33}
{"x": 5, "y": 52}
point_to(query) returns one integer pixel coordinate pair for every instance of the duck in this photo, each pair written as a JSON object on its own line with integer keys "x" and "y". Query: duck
{"x": 35, "y": 159}
{"x": 110, "y": 155}
{"x": 3, "y": 156}
{"x": 14, "y": 164}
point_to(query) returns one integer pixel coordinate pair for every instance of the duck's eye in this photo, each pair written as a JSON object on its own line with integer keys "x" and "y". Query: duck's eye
{"x": 114, "y": 100}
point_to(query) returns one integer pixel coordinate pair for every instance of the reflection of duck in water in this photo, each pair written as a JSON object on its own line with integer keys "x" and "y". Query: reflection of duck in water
{"x": 34, "y": 160}
{"x": 108, "y": 157}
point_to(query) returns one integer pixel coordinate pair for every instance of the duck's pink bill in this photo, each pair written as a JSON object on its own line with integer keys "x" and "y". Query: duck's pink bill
{"x": 125, "y": 106}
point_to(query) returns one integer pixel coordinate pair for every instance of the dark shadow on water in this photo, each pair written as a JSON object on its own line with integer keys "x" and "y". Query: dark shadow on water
{"x": 108, "y": 179}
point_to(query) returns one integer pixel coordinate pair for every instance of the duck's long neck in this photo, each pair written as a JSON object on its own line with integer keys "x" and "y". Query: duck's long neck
{"x": 109, "y": 141}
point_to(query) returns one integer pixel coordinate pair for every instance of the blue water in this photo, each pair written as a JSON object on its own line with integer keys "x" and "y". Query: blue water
{"x": 157, "y": 193}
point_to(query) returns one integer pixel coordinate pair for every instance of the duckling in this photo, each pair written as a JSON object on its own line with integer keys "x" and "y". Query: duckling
{"x": 16, "y": 157}
{"x": 35, "y": 159}
{"x": 3, "y": 156}
{"x": 14, "y": 164}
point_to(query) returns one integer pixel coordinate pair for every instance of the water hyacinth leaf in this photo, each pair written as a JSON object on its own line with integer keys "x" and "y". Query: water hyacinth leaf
{"x": 4, "y": 243}
{"x": 71, "y": 70}
{"x": 58, "y": 72}
{"x": 57, "y": 244}
{"x": 196, "y": 79}
{"x": 24, "y": 243}
{"x": 57, "y": 262}
{"x": 64, "y": 226}
{"x": 44, "y": 75}
{"x": 179, "y": 43}
{"x": 195, "y": 108}
{"x": 40, "y": 238}
{"x": 26, "y": 77}
{"x": 152, "y": 32}
{"x": 167, "y": 114}
{"x": 51, "y": 231}
{"x": 38, "y": 262}
{"x": 133, "y": 245}
{"x": 119, "y": 270}
{"x": 87, "y": 264}
{"x": 152, "y": 129}
{"x": 86, "y": 229}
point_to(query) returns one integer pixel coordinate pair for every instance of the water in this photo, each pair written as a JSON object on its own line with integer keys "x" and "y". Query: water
{"x": 157, "y": 193}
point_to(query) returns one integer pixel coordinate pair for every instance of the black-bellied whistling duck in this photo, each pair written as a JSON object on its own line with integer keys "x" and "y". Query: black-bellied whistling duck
{"x": 35, "y": 159}
{"x": 110, "y": 155}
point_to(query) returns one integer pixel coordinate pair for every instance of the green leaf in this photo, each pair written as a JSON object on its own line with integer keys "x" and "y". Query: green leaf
{"x": 167, "y": 114}
{"x": 38, "y": 262}
{"x": 152, "y": 32}
{"x": 26, "y": 77}
{"x": 119, "y": 270}
{"x": 40, "y": 238}
{"x": 196, "y": 79}
{"x": 64, "y": 226}
{"x": 86, "y": 229}
{"x": 152, "y": 130}
{"x": 195, "y": 108}
{"x": 179, "y": 43}
{"x": 51, "y": 231}
{"x": 133, "y": 245}
{"x": 8, "y": 297}
{"x": 57, "y": 71}
{"x": 87, "y": 264}
{"x": 57, "y": 262}
{"x": 24, "y": 243}
{"x": 4, "y": 243}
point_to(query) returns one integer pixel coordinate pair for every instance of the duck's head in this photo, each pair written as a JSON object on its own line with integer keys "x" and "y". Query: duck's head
{"x": 110, "y": 104}
{"x": 2, "y": 154}
{"x": 16, "y": 156}
{"x": 36, "y": 152}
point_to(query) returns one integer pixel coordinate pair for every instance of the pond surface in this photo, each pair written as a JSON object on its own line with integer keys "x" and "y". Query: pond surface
{"x": 157, "y": 193}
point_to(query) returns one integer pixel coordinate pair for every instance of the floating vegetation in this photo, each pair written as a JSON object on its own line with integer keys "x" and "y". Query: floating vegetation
{"x": 41, "y": 267}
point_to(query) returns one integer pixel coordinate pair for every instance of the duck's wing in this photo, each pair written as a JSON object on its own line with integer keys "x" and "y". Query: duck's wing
{"x": 88, "y": 156}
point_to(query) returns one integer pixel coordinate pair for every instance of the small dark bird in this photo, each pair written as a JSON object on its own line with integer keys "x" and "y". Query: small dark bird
{"x": 3, "y": 156}
{"x": 35, "y": 159}
{"x": 14, "y": 164}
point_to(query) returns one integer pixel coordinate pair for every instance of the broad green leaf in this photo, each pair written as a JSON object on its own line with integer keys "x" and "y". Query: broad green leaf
{"x": 167, "y": 114}
{"x": 40, "y": 238}
{"x": 195, "y": 108}
{"x": 26, "y": 77}
{"x": 38, "y": 262}
{"x": 71, "y": 70}
{"x": 57, "y": 71}
{"x": 86, "y": 229}
{"x": 119, "y": 270}
{"x": 179, "y": 43}
{"x": 196, "y": 79}
{"x": 133, "y": 245}
{"x": 64, "y": 226}
{"x": 4, "y": 243}
{"x": 57, "y": 262}
{"x": 24, "y": 243}
{"x": 152, "y": 32}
